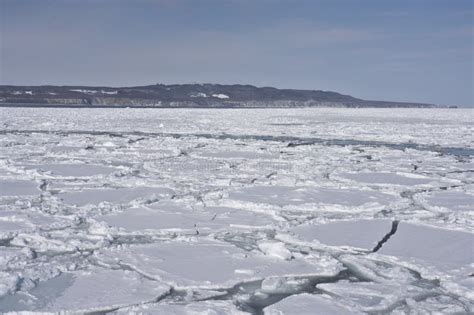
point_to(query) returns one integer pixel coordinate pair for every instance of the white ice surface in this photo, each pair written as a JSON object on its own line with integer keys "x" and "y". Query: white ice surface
{"x": 275, "y": 249}
{"x": 120, "y": 195}
{"x": 382, "y": 298}
{"x": 307, "y": 304}
{"x": 13, "y": 222}
{"x": 210, "y": 264}
{"x": 361, "y": 234}
{"x": 284, "y": 195}
{"x": 192, "y": 308}
{"x": 445, "y": 249}
{"x": 92, "y": 290}
{"x": 18, "y": 187}
{"x": 168, "y": 217}
{"x": 451, "y": 200}
{"x": 236, "y": 210}
{"x": 75, "y": 170}
{"x": 387, "y": 178}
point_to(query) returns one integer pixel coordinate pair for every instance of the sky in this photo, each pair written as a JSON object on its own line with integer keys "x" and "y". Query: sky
{"x": 397, "y": 50}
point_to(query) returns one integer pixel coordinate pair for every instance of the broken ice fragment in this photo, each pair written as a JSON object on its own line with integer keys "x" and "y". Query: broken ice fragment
{"x": 91, "y": 290}
{"x": 358, "y": 233}
{"x": 308, "y": 304}
{"x": 275, "y": 249}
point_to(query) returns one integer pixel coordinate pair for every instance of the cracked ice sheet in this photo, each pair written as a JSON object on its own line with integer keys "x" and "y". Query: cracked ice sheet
{"x": 388, "y": 286}
{"x": 444, "y": 249}
{"x": 435, "y": 253}
{"x": 386, "y": 298}
{"x": 211, "y": 264}
{"x": 434, "y": 126}
{"x": 91, "y": 290}
{"x": 259, "y": 189}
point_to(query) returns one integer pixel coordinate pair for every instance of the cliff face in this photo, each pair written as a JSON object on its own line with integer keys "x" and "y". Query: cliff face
{"x": 183, "y": 95}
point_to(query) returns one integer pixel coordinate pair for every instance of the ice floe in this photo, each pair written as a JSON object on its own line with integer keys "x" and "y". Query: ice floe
{"x": 362, "y": 234}
{"x": 185, "y": 264}
{"x": 93, "y": 290}
{"x": 18, "y": 188}
{"x": 307, "y": 304}
{"x": 117, "y": 196}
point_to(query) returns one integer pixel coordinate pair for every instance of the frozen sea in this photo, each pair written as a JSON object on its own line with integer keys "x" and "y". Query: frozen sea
{"x": 237, "y": 211}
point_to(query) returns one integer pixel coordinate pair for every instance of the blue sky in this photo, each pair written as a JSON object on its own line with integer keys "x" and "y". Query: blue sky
{"x": 400, "y": 50}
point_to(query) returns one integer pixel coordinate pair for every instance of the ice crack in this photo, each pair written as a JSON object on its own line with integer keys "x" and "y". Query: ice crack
{"x": 387, "y": 236}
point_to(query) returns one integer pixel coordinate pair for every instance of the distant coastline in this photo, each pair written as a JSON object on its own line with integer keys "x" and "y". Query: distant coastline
{"x": 184, "y": 96}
